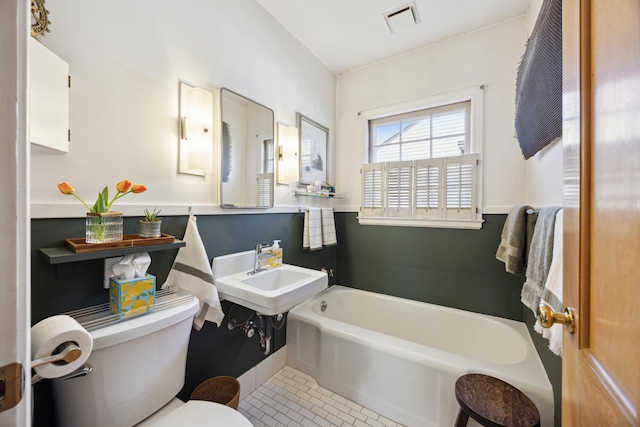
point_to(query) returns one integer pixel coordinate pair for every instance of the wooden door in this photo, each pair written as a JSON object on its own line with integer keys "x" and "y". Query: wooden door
{"x": 601, "y": 138}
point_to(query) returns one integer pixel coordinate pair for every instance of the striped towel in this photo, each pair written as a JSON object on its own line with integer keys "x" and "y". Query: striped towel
{"x": 328, "y": 228}
{"x": 312, "y": 233}
{"x": 191, "y": 272}
{"x": 540, "y": 257}
{"x": 552, "y": 292}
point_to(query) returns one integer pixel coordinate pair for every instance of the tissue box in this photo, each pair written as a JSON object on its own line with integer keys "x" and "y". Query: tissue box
{"x": 133, "y": 296}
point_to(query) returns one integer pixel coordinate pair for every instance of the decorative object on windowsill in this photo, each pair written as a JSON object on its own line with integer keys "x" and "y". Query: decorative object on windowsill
{"x": 102, "y": 225}
{"x": 151, "y": 224}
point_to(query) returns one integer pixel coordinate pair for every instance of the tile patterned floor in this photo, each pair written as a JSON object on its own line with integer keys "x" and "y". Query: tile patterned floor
{"x": 293, "y": 399}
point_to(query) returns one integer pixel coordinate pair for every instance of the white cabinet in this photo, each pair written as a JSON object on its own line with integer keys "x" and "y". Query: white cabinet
{"x": 49, "y": 100}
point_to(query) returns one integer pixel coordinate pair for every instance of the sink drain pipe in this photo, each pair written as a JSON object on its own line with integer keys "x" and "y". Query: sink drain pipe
{"x": 263, "y": 325}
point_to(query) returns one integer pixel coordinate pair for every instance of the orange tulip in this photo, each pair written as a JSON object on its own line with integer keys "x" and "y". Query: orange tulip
{"x": 138, "y": 188}
{"x": 65, "y": 188}
{"x": 123, "y": 186}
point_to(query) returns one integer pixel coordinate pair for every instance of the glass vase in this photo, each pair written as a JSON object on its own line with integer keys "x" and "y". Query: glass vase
{"x": 104, "y": 227}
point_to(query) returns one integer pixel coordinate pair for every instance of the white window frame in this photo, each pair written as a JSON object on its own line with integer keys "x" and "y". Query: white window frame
{"x": 372, "y": 215}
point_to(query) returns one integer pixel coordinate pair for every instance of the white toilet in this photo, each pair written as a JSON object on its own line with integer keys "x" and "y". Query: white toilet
{"x": 138, "y": 368}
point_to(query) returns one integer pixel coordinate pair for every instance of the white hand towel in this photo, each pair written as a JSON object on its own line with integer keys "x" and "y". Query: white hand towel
{"x": 552, "y": 292}
{"x": 191, "y": 272}
{"x": 312, "y": 233}
{"x": 328, "y": 228}
{"x": 306, "y": 240}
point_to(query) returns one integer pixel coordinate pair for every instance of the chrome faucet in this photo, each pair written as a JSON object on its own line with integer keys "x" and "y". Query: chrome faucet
{"x": 259, "y": 255}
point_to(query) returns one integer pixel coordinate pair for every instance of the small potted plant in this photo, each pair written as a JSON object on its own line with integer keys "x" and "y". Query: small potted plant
{"x": 150, "y": 225}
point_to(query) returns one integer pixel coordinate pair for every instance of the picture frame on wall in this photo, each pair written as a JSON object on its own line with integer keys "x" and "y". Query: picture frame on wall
{"x": 314, "y": 141}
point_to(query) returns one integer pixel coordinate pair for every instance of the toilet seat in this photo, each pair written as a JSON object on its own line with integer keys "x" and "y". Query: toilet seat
{"x": 201, "y": 413}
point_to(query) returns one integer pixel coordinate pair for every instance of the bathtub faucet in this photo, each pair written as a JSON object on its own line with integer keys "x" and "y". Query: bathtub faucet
{"x": 259, "y": 255}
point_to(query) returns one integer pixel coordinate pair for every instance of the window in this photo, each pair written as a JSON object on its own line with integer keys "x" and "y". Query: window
{"x": 426, "y": 134}
{"x": 423, "y": 163}
{"x": 268, "y": 153}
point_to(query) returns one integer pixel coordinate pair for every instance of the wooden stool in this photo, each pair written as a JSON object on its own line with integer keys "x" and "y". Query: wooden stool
{"x": 493, "y": 403}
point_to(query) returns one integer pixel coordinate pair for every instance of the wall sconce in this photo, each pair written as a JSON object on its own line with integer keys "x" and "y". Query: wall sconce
{"x": 196, "y": 130}
{"x": 287, "y": 154}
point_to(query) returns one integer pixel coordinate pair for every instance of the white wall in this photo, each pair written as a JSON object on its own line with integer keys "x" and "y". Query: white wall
{"x": 127, "y": 59}
{"x": 488, "y": 57}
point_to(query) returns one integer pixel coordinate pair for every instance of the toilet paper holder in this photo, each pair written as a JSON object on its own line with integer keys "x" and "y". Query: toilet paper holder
{"x": 67, "y": 352}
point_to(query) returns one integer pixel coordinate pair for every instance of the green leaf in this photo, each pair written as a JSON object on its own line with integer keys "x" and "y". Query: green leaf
{"x": 101, "y": 203}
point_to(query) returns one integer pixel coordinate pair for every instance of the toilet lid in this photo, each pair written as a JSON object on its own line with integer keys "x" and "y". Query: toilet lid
{"x": 203, "y": 413}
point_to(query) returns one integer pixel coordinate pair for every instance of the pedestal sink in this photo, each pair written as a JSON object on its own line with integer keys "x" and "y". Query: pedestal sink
{"x": 269, "y": 292}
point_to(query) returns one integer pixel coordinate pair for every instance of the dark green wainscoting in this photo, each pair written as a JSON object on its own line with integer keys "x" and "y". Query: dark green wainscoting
{"x": 455, "y": 268}
{"x": 212, "y": 351}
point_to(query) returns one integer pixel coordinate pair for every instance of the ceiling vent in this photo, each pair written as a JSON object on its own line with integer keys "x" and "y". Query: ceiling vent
{"x": 403, "y": 17}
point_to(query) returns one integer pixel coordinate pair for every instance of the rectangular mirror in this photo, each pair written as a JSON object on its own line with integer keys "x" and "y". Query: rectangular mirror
{"x": 196, "y": 130}
{"x": 314, "y": 141}
{"x": 247, "y": 152}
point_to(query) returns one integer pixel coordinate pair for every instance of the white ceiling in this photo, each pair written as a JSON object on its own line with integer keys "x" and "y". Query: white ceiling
{"x": 348, "y": 34}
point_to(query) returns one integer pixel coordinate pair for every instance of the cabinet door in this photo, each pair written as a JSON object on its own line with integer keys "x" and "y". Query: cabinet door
{"x": 49, "y": 100}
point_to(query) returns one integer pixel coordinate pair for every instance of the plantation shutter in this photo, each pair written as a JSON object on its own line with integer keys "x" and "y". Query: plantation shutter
{"x": 265, "y": 181}
{"x": 372, "y": 199}
{"x": 399, "y": 191}
{"x": 443, "y": 188}
{"x": 427, "y": 188}
{"x": 459, "y": 185}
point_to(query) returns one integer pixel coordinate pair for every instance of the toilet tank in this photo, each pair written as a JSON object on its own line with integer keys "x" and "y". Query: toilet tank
{"x": 138, "y": 364}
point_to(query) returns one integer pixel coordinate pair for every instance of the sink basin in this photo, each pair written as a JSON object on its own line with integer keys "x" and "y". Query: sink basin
{"x": 269, "y": 292}
{"x": 277, "y": 278}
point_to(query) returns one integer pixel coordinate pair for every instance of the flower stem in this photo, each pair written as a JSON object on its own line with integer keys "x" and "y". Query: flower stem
{"x": 77, "y": 197}
{"x": 116, "y": 197}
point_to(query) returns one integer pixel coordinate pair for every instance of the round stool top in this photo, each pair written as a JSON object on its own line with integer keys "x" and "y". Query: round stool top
{"x": 493, "y": 402}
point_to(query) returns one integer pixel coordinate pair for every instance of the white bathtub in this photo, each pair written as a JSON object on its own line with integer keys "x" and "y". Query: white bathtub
{"x": 401, "y": 358}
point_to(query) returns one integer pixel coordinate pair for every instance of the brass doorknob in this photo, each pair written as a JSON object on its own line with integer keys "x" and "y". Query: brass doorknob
{"x": 547, "y": 317}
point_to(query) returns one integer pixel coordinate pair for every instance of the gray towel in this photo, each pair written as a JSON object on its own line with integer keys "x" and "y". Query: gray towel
{"x": 532, "y": 217}
{"x": 513, "y": 240}
{"x": 540, "y": 255}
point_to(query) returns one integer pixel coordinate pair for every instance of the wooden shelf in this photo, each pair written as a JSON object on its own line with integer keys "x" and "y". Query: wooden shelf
{"x": 62, "y": 255}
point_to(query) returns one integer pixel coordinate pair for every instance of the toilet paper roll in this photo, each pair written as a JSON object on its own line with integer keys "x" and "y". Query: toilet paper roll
{"x": 50, "y": 333}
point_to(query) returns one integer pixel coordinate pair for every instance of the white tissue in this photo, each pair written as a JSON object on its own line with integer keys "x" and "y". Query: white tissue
{"x": 141, "y": 264}
{"x": 123, "y": 269}
{"x": 131, "y": 266}
{"x": 49, "y": 334}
